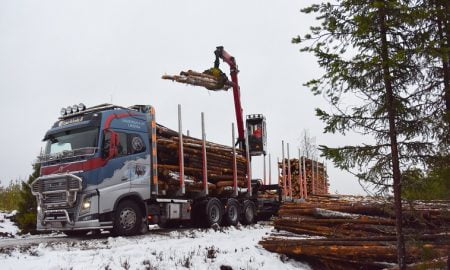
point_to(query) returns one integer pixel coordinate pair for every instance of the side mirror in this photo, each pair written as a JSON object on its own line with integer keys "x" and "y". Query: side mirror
{"x": 110, "y": 141}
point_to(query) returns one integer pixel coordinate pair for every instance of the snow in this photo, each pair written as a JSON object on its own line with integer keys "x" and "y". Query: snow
{"x": 333, "y": 214}
{"x": 236, "y": 247}
{"x": 7, "y": 227}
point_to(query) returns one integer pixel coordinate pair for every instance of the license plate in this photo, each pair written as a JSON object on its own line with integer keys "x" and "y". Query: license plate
{"x": 56, "y": 224}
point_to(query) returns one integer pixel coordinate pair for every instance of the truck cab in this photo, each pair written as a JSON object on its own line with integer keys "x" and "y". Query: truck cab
{"x": 94, "y": 159}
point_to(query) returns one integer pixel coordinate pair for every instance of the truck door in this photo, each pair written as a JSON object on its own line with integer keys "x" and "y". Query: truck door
{"x": 139, "y": 166}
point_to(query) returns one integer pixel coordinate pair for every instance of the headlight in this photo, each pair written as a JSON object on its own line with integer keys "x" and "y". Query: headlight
{"x": 39, "y": 208}
{"x": 63, "y": 111}
{"x": 86, "y": 205}
{"x": 75, "y": 108}
{"x": 69, "y": 110}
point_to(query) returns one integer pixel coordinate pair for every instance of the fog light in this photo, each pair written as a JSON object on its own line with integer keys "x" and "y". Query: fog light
{"x": 75, "y": 108}
{"x": 63, "y": 111}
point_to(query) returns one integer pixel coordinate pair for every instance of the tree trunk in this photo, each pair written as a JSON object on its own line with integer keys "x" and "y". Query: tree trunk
{"x": 441, "y": 9}
{"x": 391, "y": 111}
{"x": 446, "y": 19}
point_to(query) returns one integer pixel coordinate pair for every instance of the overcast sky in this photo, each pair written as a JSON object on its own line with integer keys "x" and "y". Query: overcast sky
{"x": 59, "y": 53}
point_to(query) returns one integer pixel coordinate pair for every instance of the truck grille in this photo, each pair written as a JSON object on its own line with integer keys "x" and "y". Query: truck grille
{"x": 55, "y": 198}
{"x": 57, "y": 190}
{"x": 45, "y": 185}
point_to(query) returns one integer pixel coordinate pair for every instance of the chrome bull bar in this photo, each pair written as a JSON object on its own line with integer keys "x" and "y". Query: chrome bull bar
{"x": 56, "y": 216}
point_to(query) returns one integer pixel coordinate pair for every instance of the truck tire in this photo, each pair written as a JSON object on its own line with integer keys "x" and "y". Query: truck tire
{"x": 213, "y": 212}
{"x": 78, "y": 233}
{"x": 127, "y": 219}
{"x": 232, "y": 213}
{"x": 248, "y": 213}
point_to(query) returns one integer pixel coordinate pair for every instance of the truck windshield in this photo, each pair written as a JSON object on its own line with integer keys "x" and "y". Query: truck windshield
{"x": 72, "y": 140}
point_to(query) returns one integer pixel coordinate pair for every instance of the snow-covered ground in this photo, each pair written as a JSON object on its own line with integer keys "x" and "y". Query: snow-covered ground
{"x": 159, "y": 249}
{"x": 7, "y": 227}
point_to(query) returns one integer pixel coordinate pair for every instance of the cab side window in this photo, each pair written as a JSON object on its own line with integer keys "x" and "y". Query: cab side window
{"x": 136, "y": 144}
{"x": 122, "y": 145}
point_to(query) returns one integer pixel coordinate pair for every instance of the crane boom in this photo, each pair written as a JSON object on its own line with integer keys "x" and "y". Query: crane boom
{"x": 231, "y": 61}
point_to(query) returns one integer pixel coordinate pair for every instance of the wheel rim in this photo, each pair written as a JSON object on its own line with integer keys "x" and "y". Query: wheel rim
{"x": 127, "y": 218}
{"x": 249, "y": 213}
{"x": 214, "y": 214}
{"x": 232, "y": 213}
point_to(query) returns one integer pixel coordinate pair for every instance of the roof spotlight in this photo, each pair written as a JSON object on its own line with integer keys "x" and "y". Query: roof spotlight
{"x": 69, "y": 110}
{"x": 63, "y": 111}
{"x": 75, "y": 108}
{"x": 81, "y": 107}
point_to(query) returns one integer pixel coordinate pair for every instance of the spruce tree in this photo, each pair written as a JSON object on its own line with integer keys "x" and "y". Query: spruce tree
{"x": 371, "y": 77}
{"x": 26, "y": 216}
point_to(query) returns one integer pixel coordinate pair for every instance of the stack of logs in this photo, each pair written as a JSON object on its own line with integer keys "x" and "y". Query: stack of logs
{"x": 314, "y": 172}
{"x": 199, "y": 79}
{"x": 359, "y": 233}
{"x": 219, "y": 163}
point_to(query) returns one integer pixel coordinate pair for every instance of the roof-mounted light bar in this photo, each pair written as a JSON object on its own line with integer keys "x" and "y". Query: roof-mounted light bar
{"x": 73, "y": 109}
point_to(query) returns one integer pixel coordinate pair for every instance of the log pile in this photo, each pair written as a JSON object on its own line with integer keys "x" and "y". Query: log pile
{"x": 314, "y": 172}
{"x": 345, "y": 232}
{"x": 198, "y": 79}
{"x": 219, "y": 163}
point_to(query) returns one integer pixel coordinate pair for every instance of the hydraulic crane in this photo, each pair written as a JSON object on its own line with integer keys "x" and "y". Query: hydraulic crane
{"x": 214, "y": 79}
{"x": 256, "y": 123}
{"x": 220, "y": 53}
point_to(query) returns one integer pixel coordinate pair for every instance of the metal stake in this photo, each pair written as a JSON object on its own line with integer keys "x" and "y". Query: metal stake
{"x": 312, "y": 176}
{"x": 204, "y": 160}
{"x": 278, "y": 171}
{"x": 283, "y": 167}
{"x": 181, "y": 151}
{"x": 300, "y": 180}
{"x": 233, "y": 140}
{"x": 289, "y": 172}
{"x": 264, "y": 168}
{"x": 318, "y": 178}
{"x": 270, "y": 171}
{"x": 249, "y": 165}
{"x": 304, "y": 178}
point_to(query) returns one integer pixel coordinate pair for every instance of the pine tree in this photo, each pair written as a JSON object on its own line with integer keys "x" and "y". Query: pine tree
{"x": 26, "y": 216}
{"x": 371, "y": 76}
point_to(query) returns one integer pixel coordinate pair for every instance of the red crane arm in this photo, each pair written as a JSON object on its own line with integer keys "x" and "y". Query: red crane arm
{"x": 230, "y": 60}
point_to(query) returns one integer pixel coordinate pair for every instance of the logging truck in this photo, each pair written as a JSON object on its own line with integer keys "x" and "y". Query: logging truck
{"x": 114, "y": 168}
{"x": 100, "y": 170}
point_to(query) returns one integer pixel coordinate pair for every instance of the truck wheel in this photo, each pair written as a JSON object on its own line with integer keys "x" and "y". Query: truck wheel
{"x": 78, "y": 233}
{"x": 213, "y": 212}
{"x": 231, "y": 217}
{"x": 248, "y": 213}
{"x": 127, "y": 219}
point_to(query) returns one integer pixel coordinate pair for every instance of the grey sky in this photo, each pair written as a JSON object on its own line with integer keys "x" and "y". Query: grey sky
{"x": 59, "y": 53}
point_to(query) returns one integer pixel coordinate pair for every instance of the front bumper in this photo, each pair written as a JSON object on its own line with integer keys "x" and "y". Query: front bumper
{"x": 79, "y": 225}
{"x": 59, "y": 220}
